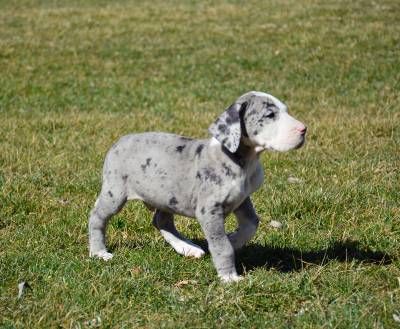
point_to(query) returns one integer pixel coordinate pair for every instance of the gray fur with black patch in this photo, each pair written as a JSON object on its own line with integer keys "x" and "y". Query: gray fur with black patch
{"x": 205, "y": 179}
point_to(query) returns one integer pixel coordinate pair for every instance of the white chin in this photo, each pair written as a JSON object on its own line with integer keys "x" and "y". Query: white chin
{"x": 284, "y": 147}
{"x": 259, "y": 148}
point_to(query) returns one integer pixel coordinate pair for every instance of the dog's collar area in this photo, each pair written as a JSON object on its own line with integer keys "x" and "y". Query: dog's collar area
{"x": 235, "y": 157}
{"x": 242, "y": 154}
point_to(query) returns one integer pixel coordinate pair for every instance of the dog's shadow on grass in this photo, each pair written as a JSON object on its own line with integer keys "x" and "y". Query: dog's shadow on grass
{"x": 290, "y": 259}
{"x": 285, "y": 260}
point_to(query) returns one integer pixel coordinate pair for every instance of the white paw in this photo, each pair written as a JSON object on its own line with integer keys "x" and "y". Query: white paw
{"x": 187, "y": 249}
{"x": 182, "y": 246}
{"x": 230, "y": 278}
{"x": 103, "y": 254}
{"x": 193, "y": 252}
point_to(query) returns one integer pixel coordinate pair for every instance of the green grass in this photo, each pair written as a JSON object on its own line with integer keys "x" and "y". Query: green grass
{"x": 76, "y": 75}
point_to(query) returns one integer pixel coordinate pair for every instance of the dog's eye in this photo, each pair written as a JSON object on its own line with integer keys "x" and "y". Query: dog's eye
{"x": 270, "y": 114}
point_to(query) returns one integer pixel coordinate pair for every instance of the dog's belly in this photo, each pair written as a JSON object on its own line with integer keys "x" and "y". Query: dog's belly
{"x": 177, "y": 199}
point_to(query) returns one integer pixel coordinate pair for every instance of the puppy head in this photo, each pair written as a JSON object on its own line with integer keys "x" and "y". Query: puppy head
{"x": 260, "y": 121}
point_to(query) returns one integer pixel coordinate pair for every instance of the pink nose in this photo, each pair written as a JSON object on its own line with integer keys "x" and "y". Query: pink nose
{"x": 302, "y": 129}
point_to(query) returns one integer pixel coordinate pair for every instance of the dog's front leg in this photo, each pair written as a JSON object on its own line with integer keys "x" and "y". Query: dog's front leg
{"x": 221, "y": 249}
{"x": 247, "y": 224}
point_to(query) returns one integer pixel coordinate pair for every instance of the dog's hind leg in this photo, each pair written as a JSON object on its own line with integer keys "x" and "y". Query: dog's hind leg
{"x": 109, "y": 202}
{"x": 164, "y": 222}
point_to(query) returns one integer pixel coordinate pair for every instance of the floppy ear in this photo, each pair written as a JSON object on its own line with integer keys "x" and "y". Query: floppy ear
{"x": 227, "y": 128}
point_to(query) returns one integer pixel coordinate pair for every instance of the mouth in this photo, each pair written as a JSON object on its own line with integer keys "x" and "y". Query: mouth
{"x": 301, "y": 143}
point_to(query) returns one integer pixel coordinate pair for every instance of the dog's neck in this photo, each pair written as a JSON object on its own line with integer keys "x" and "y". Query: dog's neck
{"x": 243, "y": 155}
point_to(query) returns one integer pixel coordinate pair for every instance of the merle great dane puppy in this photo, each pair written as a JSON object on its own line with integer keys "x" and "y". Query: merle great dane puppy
{"x": 206, "y": 179}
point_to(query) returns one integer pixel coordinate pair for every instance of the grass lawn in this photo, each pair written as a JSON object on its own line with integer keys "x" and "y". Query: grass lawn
{"x": 76, "y": 75}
